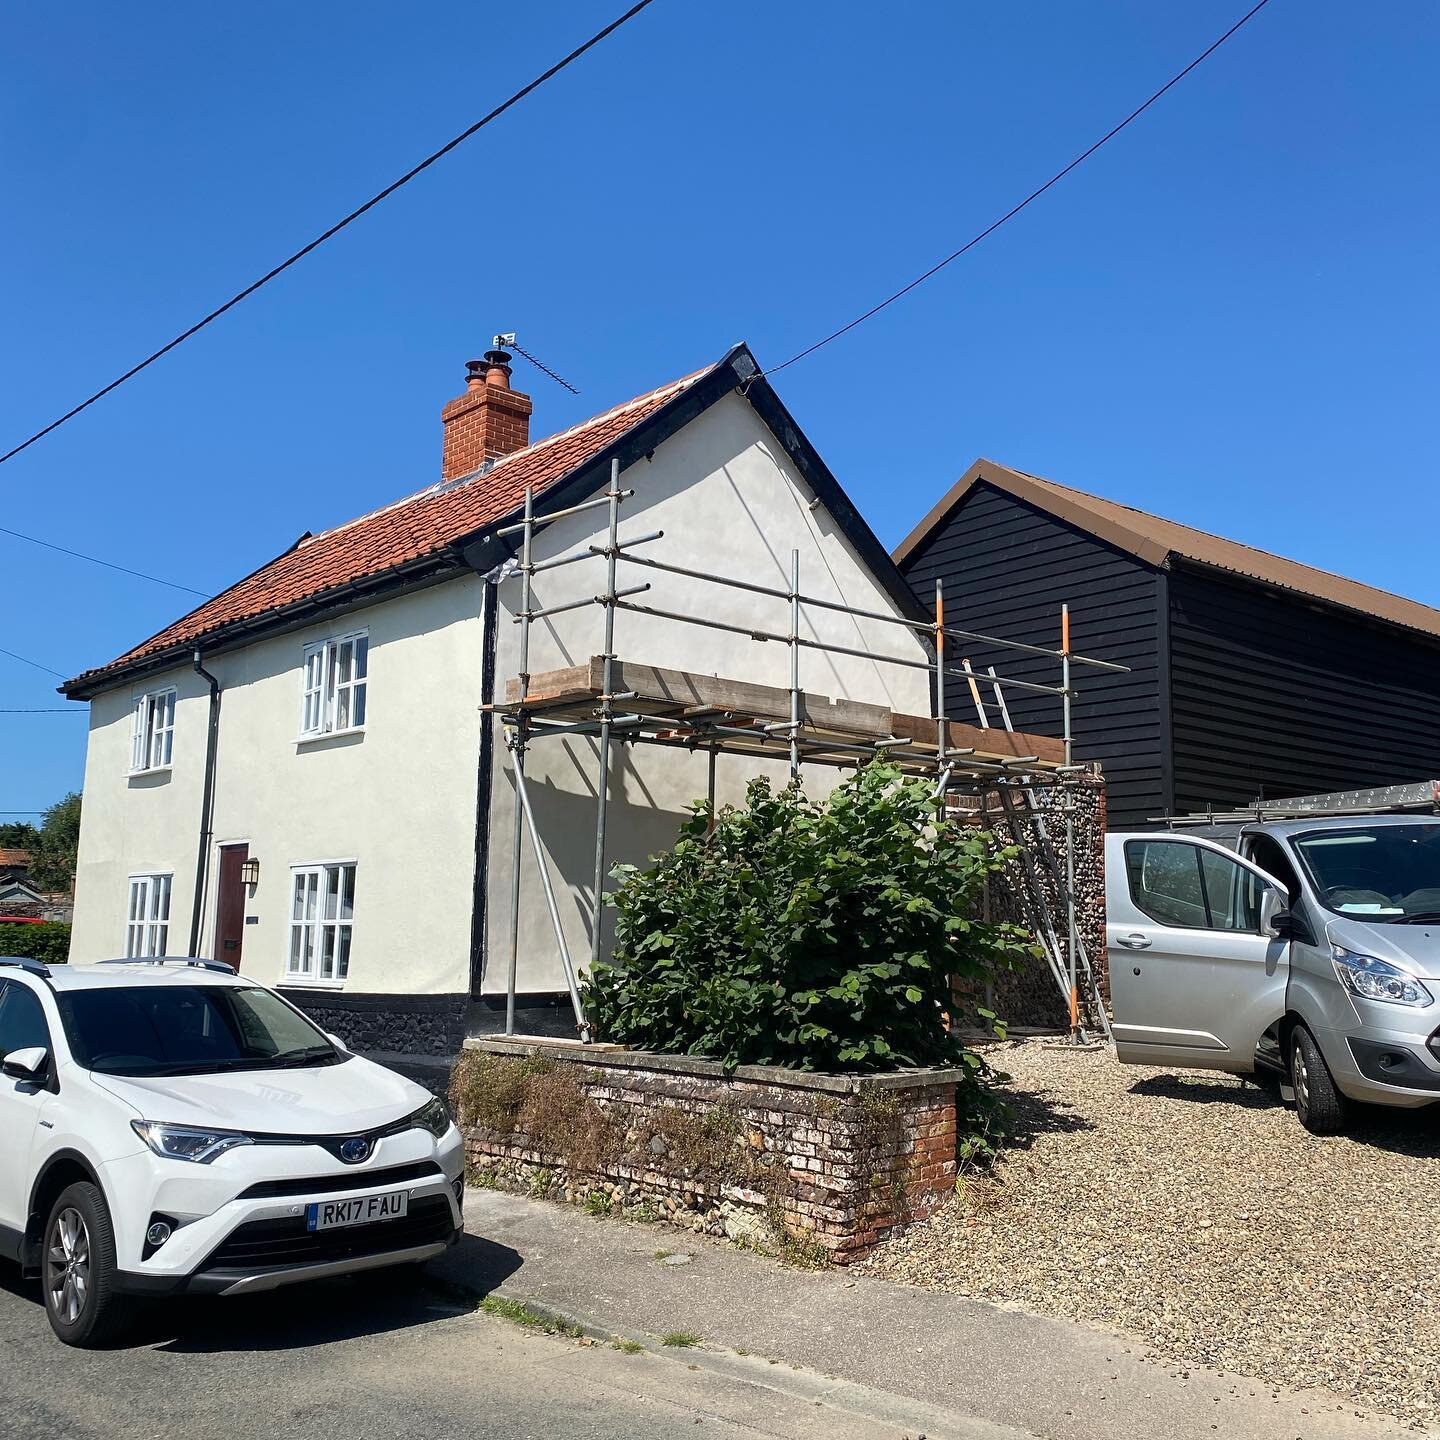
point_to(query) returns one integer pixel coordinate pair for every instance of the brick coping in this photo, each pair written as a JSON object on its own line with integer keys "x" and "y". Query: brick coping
{"x": 781, "y": 1076}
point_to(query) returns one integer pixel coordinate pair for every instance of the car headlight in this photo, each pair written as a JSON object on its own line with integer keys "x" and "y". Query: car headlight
{"x": 434, "y": 1116}
{"x": 1374, "y": 979}
{"x": 187, "y": 1142}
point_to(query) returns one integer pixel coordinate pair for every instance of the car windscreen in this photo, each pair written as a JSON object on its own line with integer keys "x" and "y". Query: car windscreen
{"x": 188, "y": 1030}
{"x": 1384, "y": 873}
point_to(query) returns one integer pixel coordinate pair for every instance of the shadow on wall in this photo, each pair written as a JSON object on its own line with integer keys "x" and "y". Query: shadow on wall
{"x": 638, "y": 827}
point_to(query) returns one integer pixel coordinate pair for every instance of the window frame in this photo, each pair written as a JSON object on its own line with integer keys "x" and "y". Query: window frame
{"x": 1249, "y": 870}
{"x": 144, "y": 923}
{"x": 321, "y": 688}
{"x": 146, "y": 737}
{"x": 313, "y": 948}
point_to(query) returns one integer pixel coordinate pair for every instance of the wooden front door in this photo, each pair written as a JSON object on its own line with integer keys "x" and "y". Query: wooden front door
{"x": 230, "y": 905}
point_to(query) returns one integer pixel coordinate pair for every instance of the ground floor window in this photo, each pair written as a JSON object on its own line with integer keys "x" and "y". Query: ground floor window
{"x": 322, "y": 910}
{"x": 147, "y": 928}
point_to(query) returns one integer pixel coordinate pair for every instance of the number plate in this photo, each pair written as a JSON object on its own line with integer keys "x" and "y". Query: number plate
{"x": 363, "y": 1210}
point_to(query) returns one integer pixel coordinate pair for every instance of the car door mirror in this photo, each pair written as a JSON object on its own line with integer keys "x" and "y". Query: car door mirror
{"x": 29, "y": 1065}
{"x": 1275, "y": 914}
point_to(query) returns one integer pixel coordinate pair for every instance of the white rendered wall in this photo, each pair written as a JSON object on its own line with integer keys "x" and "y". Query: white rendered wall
{"x": 398, "y": 800}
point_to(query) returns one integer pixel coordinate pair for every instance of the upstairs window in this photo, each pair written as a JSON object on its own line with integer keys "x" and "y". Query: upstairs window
{"x": 153, "y": 738}
{"x": 333, "y": 695}
{"x": 147, "y": 929}
{"x": 322, "y": 913}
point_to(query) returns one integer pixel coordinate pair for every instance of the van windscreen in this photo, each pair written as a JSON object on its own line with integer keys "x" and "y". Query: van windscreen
{"x": 1386, "y": 873}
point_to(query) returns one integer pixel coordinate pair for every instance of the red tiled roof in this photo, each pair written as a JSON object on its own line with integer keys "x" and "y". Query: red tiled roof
{"x": 16, "y": 859}
{"x": 405, "y": 531}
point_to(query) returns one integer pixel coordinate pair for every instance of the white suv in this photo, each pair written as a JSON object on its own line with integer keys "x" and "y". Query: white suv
{"x": 170, "y": 1126}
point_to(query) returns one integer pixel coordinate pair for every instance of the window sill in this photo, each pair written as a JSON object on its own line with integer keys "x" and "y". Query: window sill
{"x": 351, "y": 736}
{"x": 309, "y": 982}
{"x": 155, "y": 772}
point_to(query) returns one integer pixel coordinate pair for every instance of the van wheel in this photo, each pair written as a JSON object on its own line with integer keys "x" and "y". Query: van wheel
{"x": 77, "y": 1272}
{"x": 1319, "y": 1106}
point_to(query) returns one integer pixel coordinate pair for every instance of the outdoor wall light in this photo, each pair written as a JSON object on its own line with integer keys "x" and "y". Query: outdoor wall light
{"x": 250, "y": 872}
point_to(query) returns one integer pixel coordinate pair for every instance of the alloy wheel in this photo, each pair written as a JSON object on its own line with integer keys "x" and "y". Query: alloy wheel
{"x": 67, "y": 1265}
{"x": 1300, "y": 1075}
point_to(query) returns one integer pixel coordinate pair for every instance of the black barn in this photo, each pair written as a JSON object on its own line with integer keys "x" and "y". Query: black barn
{"x": 1251, "y": 676}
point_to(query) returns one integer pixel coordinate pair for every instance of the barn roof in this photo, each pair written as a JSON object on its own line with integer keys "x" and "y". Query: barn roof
{"x": 1158, "y": 542}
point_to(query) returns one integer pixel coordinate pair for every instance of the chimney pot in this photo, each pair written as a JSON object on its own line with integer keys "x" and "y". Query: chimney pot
{"x": 498, "y": 371}
{"x": 489, "y": 420}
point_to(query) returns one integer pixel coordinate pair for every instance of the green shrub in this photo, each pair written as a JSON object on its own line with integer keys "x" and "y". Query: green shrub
{"x": 821, "y": 935}
{"x": 48, "y": 942}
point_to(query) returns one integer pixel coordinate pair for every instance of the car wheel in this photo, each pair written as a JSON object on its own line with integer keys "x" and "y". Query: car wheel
{"x": 77, "y": 1273}
{"x": 1320, "y": 1107}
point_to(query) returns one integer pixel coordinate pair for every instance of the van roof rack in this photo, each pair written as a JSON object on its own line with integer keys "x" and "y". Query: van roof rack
{"x": 31, "y": 967}
{"x": 1416, "y": 797}
{"x": 219, "y": 966}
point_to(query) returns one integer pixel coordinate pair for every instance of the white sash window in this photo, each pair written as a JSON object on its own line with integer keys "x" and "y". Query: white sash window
{"x": 322, "y": 913}
{"x": 147, "y": 927}
{"x": 152, "y": 740}
{"x": 332, "y": 697}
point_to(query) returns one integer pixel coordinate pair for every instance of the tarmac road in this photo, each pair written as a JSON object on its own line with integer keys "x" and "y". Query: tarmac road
{"x": 398, "y": 1358}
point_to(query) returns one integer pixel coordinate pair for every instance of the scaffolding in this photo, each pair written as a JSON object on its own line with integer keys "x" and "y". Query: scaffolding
{"x": 616, "y": 701}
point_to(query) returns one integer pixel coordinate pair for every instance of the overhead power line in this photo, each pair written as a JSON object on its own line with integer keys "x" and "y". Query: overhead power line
{"x": 1034, "y": 195}
{"x": 335, "y": 229}
{"x": 108, "y": 564}
{"x": 48, "y": 710}
{"x": 35, "y": 663}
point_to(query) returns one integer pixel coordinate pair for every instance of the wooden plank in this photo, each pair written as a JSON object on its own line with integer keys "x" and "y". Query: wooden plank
{"x": 987, "y": 744}
{"x": 659, "y": 691}
{"x": 559, "y": 687}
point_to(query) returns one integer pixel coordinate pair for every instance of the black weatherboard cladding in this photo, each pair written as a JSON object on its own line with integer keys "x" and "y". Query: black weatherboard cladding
{"x": 1272, "y": 695}
{"x": 1006, "y": 568}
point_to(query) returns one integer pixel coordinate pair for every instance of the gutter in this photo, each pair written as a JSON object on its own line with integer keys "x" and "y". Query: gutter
{"x": 207, "y": 804}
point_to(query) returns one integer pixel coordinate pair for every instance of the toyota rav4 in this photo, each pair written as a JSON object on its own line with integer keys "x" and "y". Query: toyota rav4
{"x": 168, "y": 1126}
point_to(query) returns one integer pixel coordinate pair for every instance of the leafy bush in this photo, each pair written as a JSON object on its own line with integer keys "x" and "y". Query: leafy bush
{"x": 821, "y": 935}
{"x": 48, "y": 942}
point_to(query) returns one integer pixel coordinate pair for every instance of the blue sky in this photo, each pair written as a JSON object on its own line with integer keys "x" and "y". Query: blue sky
{"x": 1228, "y": 316}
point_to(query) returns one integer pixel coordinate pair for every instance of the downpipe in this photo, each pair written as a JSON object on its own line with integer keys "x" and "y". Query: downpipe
{"x": 207, "y": 804}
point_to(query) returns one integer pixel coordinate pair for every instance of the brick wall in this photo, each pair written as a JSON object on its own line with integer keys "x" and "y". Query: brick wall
{"x": 818, "y": 1166}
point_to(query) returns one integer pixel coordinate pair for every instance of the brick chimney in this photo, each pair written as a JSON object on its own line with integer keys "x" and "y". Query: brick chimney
{"x": 489, "y": 420}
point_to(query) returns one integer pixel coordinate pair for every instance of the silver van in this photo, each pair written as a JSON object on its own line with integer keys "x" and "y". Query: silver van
{"x": 1309, "y": 948}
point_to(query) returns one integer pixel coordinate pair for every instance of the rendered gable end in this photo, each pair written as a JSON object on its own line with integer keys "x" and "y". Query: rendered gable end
{"x": 730, "y": 501}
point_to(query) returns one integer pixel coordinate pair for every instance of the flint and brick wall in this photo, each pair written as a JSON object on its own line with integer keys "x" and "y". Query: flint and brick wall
{"x": 824, "y": 1166}
{"x": 1029, "y": 996}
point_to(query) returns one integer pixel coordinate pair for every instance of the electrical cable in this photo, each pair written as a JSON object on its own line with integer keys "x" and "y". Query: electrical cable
{"x": 335, "y": 229}
{"x": 1015, "y": 210}
{"x": 35, "y": 663}
{"x": 109, "y": 564}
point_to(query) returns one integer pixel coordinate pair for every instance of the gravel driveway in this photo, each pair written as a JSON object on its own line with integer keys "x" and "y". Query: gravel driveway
{"x": 1192, "y": 1210}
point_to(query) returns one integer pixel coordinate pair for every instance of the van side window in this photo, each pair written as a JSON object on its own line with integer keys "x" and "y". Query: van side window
{"x": 1190, "y": 887}
{"x": 1270, "y": 856}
